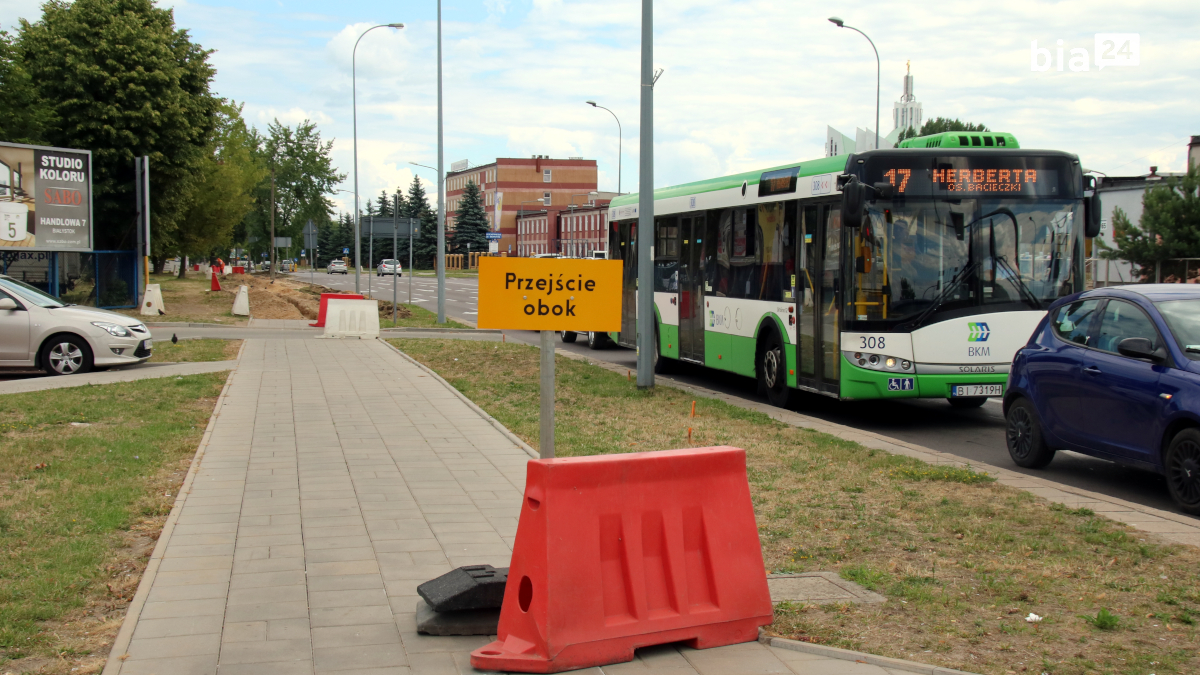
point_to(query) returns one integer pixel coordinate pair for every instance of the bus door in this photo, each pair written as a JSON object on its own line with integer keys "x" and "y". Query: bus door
{"x": 691, "y": 289}
{"x": 626, "y": 230}
{"x": 818, "y": 301}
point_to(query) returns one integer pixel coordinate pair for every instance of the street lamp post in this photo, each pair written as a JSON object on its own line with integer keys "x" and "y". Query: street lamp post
{"x": 619, "y": 141}
{"x": 441, "y": 171}
{"x": 842, "y": 24}
{"x": 354, "y": 114}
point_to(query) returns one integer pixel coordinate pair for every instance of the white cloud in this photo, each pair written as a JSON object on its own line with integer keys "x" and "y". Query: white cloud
{"x": 749, "y": 83}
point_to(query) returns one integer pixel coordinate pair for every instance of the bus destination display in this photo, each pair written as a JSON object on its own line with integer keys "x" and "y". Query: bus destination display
{"x": 970, "y": 176}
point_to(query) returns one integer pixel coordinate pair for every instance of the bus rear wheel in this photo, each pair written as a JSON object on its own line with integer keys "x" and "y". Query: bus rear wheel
{"x": 772, "y": 372}
{"x": 662, "y": 365}
{"x": 597, "y": 340}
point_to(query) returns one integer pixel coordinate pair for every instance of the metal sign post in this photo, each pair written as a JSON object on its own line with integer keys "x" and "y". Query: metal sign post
{"x": 395, "y": 258}
{"x": 549, "y": 295}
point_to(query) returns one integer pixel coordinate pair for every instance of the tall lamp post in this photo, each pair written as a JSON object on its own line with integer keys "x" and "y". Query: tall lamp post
{"x": 619, "y": 141}
{"x": 441, "y": 171}
{"x": 842, "y": 24}
{"x": 354, "y": 114}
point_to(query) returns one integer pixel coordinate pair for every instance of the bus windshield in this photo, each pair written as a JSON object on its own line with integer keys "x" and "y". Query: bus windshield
{"x": 916, "y": 262}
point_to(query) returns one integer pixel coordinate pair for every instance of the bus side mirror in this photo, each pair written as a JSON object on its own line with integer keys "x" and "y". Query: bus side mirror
{"x": 884, "y": 190}
{"x": 1091, "y": 216}
{"x": 853, "y": 201}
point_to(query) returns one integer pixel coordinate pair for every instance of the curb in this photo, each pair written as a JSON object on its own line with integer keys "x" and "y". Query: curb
{"x": 472, "y": 331}
{"x": 470, "y": 404}
{"x": 181, "y": 324}
{"x": 857, "y": 657}
{"x": 124, "y": 636}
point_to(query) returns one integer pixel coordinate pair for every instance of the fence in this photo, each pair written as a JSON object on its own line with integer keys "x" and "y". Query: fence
{"x": 107, "y": 279}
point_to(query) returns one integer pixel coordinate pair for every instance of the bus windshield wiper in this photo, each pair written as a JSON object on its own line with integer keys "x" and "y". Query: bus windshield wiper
{"x": 1021, "y": 287}
{"x": 955, "y": 281}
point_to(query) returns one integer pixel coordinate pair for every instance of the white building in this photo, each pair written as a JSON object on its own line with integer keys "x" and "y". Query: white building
{"x": 907, "y": 111}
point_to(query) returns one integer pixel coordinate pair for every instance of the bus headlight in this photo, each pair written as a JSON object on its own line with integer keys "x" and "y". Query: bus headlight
{"x": 880, "y": 362}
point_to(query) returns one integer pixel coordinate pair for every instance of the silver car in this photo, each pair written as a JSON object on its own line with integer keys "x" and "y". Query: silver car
{"x": 337, "y": 267}
{"x": 389, "y": 266}
{"x": 39, "y": 331}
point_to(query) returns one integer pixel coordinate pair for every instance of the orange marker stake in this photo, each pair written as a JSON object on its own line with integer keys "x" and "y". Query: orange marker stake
{"x": 689, "y": 435}
{"x": 693, "y": 408}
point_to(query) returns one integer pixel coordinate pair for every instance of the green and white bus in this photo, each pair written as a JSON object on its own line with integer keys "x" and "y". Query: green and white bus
{"x": 909, "y": 272}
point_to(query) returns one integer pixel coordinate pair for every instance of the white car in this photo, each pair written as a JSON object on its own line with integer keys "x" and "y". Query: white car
{"x": 337, "y": 267}
{"x": 389, "y": 266}
{"x": 39, "y": 331}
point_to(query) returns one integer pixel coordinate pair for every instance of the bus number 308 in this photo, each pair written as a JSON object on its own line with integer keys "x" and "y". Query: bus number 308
{"x": 871, "y": 343}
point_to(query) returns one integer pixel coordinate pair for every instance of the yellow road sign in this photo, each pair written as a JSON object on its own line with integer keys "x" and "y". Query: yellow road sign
{"x": 550, "y": 294}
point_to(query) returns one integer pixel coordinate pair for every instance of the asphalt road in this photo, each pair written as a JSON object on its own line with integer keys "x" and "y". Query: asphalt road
{"x": 975, "y": 435}
{"x": 462, "y": 295}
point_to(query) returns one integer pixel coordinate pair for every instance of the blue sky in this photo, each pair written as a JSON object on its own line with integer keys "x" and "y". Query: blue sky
{"x": 748, "y": 83}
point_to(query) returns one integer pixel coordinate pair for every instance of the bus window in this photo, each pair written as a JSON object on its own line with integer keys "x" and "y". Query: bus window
{"x": 777, "y": 225}
{"x": 718, "y": 277}
{"x": 666, "y": 255}
{"x": 746, "y": 255}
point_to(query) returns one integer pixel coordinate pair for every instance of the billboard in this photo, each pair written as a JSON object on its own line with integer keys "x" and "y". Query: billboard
{"x": 45, "y": 198}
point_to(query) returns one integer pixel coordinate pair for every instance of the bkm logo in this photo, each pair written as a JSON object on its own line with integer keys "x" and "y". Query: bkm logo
{"x": 978, "y": 332}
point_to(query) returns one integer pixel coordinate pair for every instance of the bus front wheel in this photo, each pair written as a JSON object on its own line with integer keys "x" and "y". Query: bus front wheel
{"x": 772, "y": 372}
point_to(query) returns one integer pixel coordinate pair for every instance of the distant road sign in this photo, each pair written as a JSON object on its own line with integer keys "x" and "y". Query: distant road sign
{"x": 492, "y": 236}
{"x": 345, "y": 251}
{"x": 550, "y": 294}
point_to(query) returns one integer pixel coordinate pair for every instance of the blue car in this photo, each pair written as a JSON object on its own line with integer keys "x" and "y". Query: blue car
{"x": 1114, "y": 373}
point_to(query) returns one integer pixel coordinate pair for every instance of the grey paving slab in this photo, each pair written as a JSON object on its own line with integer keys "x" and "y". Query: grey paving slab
{"x": 336, "y": 478}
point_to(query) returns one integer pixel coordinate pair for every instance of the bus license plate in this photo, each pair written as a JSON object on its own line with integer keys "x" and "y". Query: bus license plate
{"x": 977, "y": 390}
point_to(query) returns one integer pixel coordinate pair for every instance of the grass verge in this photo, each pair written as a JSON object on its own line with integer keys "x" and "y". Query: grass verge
{"x": 194, "y": 351}
{"x": 418, "y": 317}
{"x": 963, "y": 560}
{"x": 87, "y": 478}
{"x": 189, "y": 300}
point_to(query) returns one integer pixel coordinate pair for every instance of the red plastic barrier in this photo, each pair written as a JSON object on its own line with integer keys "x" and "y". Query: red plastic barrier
{"x": 216, "y": 284}
{"x": 238, "y": 269}
{"x": 325, "y": 298}
{"x": 196, "y": 267}
{"x": 625, "y": 551}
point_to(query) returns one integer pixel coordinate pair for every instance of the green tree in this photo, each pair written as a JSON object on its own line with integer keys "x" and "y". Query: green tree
{"x": 303, "y": 173}
{"x": 383, "y": 204}
{"x": 122, "y": 81}
{"x": 425, "y": 244}
{"x": 471, "y": 225}
{"x": 223, "y": 192}
{"x": 938, "y": 125}
{"x": 905, "y": 135}
{"x": 24, "y": 116}
{"x": 1168, "y": 229}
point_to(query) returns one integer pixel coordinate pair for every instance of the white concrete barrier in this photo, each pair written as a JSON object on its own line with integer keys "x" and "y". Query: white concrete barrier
{"x": 241, "y": 302}
{"x": 352, "y": 318}
{"x": 152, "y": 304}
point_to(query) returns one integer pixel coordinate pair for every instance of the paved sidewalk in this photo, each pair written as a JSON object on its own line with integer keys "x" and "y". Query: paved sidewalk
{"x": 335, "y": 478}
{"x": 143, "y": 371}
